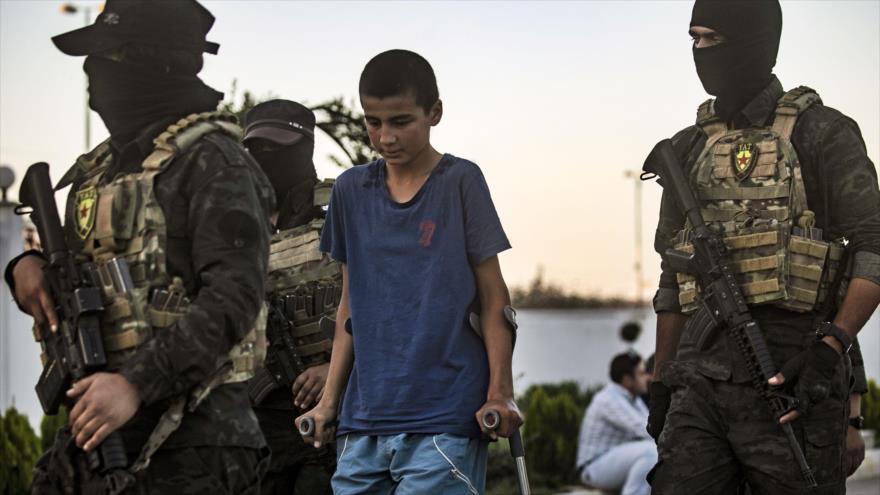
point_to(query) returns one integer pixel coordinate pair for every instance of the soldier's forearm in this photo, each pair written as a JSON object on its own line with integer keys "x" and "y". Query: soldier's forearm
{"x": 669, "y": 327}
{"x": 855, "y": 405}
{"x": 860, "y": 302}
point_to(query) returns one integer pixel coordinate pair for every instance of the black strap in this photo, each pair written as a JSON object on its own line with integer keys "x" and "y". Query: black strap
{"x": 285, "y": 124}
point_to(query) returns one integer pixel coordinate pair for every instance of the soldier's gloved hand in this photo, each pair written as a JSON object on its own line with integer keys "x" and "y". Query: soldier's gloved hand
{"x": 661, "y": 397}
{"x": 809, "y": 376}
{"x": 324, "y": 417}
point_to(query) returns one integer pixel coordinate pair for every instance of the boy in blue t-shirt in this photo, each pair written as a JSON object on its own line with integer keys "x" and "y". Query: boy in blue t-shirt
{"x": 418, "y": 238}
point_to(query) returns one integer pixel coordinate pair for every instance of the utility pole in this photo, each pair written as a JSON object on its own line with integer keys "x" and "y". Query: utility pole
{"x": 640, "y": 279}
{"x": 71, "y": 8}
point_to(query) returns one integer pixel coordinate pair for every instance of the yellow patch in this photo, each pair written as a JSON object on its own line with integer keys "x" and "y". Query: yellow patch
{"x": 86, "y": 201}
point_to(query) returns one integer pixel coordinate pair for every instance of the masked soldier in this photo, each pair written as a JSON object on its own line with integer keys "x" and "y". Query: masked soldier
{"x": 173, "y": 200}
{"x": 786, "y": 181}
{"x": 303, "y": 290}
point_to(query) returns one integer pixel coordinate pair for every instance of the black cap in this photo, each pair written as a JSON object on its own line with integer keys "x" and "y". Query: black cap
{"x": 283, "y": 122}
{"x": 178, "y": 24}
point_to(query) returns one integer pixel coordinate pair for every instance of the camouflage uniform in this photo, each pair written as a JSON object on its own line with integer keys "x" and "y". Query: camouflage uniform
{"x": 295, "y": 467}
{"x": 216, "y": 204}
{"x": 718, "y": 430}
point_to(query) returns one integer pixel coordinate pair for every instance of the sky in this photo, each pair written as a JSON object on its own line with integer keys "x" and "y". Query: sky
{"x": 555, "y": 101}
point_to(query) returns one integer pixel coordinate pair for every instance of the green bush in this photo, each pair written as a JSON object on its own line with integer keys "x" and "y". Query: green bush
{"x": 501, "y": 471}
{"x": 19, "y": 449}
{"x": 553, "y": 415}
{"x": 571, "y": 388}
{"x": 550, "y": 437}
{"x": 871, "y": 407}
{"x": 50, "y": 426}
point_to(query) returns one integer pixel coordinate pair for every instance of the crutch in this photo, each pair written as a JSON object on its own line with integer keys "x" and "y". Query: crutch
{"x": 492, "y": 419}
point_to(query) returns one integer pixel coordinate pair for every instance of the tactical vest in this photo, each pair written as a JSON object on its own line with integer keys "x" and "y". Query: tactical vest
{"x": 304, "y": 284}
{"x": 751, "y": 190}
{"x": 122, "y": 219}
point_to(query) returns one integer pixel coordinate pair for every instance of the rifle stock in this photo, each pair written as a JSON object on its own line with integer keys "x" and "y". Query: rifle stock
{"x": 722, "y": 300}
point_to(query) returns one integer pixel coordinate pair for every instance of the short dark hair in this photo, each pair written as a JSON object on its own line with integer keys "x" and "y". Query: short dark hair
{"x": 396, "y": 72}
{"x": 623, "y": 365}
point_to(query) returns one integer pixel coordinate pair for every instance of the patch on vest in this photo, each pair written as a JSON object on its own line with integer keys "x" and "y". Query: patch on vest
{"x": 86, "y": 200}
{"x": 744, "y": 160}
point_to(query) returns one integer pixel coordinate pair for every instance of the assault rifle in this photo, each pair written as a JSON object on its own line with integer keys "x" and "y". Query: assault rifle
{"x": 722, "y": 302}
{"x": 283, "y": 362}
{"x": 76, "y": 349}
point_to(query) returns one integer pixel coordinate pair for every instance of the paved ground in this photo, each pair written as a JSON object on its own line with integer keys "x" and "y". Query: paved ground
{"x": 867, "y": 486}
{"x": 865, "y": 481}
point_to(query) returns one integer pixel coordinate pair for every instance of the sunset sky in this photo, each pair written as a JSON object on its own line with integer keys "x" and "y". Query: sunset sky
{"x": 554, "y": 101}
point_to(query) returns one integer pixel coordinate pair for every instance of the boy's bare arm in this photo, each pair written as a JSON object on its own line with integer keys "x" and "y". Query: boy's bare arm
{"x": 341, "y": 360}
{"x": 342, "y": 356}
{"x": 498, "y": 338}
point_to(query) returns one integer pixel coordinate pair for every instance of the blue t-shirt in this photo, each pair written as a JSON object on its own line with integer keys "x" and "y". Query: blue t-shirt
{"x": 418, "y": 366}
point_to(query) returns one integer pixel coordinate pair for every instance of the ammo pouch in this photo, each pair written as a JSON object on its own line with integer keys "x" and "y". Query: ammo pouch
{"x": 791, "y": 271}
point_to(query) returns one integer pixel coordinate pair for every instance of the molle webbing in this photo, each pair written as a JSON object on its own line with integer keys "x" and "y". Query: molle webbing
{"x": 751, "y": 189}
{"x": 295, "y": 258}
{"x": 713, "y": 126}
{"x": 304, "y": 286}
{"x": 754, "y": 193}
{"x": 732, "y": 214}
{"x": 298, "y": 250}
{"x": 768, "y": 151}
{"x": 790, "y": 106}
{"x": 322, "y": 192}
{"x": 130, "y": 224}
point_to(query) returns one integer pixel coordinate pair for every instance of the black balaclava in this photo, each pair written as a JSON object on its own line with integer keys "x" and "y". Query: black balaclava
{"x": 739, "y": 68}
{"x": 129, "y": 96}
{"x": 288, "y": 167}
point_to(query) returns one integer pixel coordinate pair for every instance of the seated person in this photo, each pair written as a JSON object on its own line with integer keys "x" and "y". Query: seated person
{"x": 615, "y": 451}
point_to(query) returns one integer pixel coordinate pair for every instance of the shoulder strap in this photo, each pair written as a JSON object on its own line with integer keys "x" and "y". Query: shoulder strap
{"x": 790, "y": 106}
{"x": 710, "y": 123}
{"x": 181, "y": 135}
{"x": 322, "y": 192}
{"x": 85, "y": 164}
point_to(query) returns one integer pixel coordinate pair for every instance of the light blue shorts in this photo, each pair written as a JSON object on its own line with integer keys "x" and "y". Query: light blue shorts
{"x": 410, "y": 464}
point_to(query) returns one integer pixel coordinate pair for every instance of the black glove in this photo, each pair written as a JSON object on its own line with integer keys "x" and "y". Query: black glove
{"x": 661, "y": 396}
{"x": 809, "y": 374}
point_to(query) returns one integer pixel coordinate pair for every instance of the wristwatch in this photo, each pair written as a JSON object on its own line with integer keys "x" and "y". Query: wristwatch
{"x": 828, "y": 329}
{"x": 857, "y": 422}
